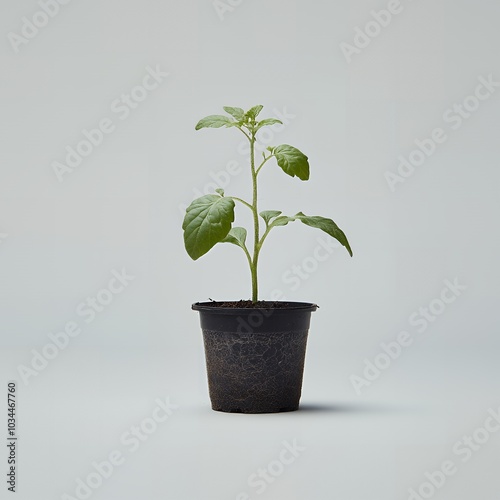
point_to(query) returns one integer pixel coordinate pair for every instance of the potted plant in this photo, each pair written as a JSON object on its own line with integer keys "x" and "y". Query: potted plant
{"x": 254, "y": 349}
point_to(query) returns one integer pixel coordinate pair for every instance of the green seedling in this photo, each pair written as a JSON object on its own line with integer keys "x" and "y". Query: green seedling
{"x": 209, "y": 219}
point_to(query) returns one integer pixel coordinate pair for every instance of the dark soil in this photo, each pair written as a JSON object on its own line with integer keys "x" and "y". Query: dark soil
{"x": 248, "y": 304}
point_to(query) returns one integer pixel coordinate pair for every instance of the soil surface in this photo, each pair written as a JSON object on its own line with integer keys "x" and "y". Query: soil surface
{"x": 248, "y": 304}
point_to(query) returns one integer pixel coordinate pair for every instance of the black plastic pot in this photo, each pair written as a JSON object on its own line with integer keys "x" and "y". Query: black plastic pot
{"x": 255, "y": 357}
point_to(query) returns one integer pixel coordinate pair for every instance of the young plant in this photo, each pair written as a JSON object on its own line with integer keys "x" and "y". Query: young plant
{"x": 209, "y": 219}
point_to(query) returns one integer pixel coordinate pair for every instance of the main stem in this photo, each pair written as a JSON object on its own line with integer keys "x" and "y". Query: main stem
{"x": 256, "y": 248}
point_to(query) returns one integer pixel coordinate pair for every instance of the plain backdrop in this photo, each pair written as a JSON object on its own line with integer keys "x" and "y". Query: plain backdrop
{"x": 121, "y": 210}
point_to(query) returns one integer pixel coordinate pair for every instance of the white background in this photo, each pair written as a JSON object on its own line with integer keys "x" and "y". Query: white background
{"x": 119, "y": 209}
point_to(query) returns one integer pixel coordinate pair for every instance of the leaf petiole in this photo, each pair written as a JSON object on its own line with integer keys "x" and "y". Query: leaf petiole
{"x": 263, "y": 163}
{"x": 243, "y": 132}
{"x": 242, "y": 201}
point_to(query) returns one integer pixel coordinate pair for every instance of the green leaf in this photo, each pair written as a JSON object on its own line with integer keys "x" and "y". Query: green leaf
{"x": 237, "y": 113}
{"x": 214, "y": 121}
{"x": 207, "y": 222}
{"x": 282, "y": 221}
{"x": 220, "y": 191}
{"x": 292, "y": 161}
{"x": 253, "y": 112}
{"x": 237, "y": 236}
{"x": 326, "y": 225}
{"x": 267, "y": 215}
{"x": 267, "y": 122}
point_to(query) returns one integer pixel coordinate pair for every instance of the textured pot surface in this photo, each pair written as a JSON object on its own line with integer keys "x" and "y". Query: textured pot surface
{"x": 255, "y": 357}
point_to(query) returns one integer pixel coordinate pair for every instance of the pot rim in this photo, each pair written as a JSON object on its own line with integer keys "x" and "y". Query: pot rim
{"x": 295, "y": 306}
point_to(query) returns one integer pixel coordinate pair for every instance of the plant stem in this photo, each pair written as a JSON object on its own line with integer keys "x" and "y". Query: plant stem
{"x": 256, "y": 248}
